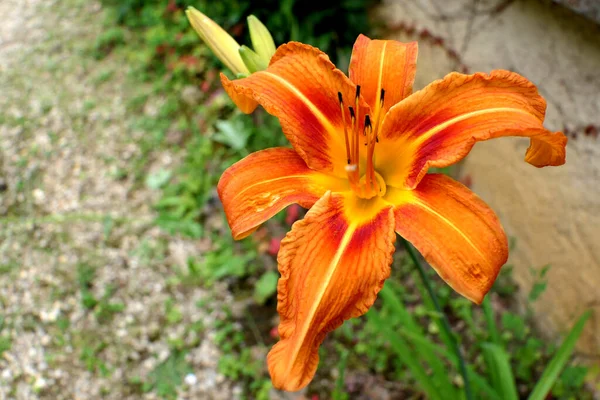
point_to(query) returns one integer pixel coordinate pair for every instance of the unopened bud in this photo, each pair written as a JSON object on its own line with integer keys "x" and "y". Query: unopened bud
{"x": 252, "y": 60}
{"x": 218, "y": 40}
{"x": 262, "y": 41}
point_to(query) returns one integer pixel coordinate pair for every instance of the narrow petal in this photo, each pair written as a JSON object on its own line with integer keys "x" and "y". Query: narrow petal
{"x": 262, "y": 184}
{"x": 300, "y": 87}
{"x": 456, "y": 232}
{"x": 383, "y": 64}
{"x": 332, "y": 267}
{"x": 438, "y": 126}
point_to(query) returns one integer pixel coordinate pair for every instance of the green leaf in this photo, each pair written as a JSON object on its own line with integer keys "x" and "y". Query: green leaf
{"x": 406, "y": 355}
{"x": 233, "y": 133}
{"x": 158, "y": 179}
{"x": 338, "y": 392}
{"x": 499, "y": 371}
{"x": 488, "y": 312}
{"x": 404, "y": 318}
{"x": 266, "y": 286}
{"x": 560, "y": 359}
{"x": 168, "y": 375}
{"x": 423, "y": 342}
{"x": 514, "y": 324}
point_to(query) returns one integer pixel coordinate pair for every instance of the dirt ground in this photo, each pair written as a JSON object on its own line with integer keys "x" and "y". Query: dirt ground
{"x": 86, "y": 302}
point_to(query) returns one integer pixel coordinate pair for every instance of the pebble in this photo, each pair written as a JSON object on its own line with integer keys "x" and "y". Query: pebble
{"x": 190, "y": 379}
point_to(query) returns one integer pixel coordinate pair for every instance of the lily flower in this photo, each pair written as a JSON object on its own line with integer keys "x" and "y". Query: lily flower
{"x": 361, "y": 149}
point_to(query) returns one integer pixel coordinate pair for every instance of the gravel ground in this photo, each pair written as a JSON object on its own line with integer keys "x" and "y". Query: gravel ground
{"x": 74, "y": 226}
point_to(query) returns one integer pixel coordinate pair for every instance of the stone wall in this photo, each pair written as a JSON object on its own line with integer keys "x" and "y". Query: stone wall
{"x": 553, "y": 213}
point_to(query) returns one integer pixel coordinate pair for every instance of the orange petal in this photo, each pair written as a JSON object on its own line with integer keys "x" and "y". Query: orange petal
{"x": 332, "y": 267}
{"x": 456, "y": 232}
{"x": 300, "y": 87}
{"x": 383, "y": 64}
{"x": 262, "y": 184}
{"x": 438, "y": 126}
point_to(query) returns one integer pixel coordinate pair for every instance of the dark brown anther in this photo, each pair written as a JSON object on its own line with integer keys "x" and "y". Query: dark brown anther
{"x": 382, "y": 96}
{"x": 340, "y": 98}
{"x": 357, "y": 91}
{"x": 368, "y": 127}
{"x": 352, "y": 112}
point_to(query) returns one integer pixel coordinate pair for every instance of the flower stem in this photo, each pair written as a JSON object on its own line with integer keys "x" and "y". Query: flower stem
{"x": 442, "y": 320}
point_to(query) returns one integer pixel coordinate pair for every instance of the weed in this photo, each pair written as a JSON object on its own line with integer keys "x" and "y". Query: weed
{"x": 168, "y": 375}
{"x": 104, "y": 308}
{"x": 5, "y": 344}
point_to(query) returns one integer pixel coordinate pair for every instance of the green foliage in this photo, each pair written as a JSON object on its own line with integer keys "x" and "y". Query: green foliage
{"x": 265, "y": 287}
{"x": 5, "y": 344}
{"x": 338, "y": 392}
{"x": 559, "y": 360}
{"x": 499, "y": 371}
{"x": 539, "y": 284}
{"x": 432, "y": 366}
{"x": 104, "y": 307}
{"x": 90, "y": 356}
{"x": 108, "y": 40}
{"x": 168, "y": 375}
{"x": 237, "y": 361}
{"x": 170, "y": 43}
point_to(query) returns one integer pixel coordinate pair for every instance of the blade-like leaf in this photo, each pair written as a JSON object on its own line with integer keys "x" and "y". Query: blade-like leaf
{"x": 499, "y": 371}
{"x": 406, "y": 356}
{"x": 399, "y": 311}
{"x": 560, "y": 359}
{"x": 488, "y": 312}
{"x": 423, "y": 342}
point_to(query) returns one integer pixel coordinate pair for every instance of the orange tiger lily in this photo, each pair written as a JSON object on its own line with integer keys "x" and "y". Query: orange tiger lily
{"x": 361, "y": 150}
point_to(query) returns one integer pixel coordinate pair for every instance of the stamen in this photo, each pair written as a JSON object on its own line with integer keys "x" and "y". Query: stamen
{"x": 353, "y": 170}
{"x": 352, "y": 136}
{"x": 356, "y": 132}
{"x": 367, "y": 132}
{"x": 340, "y": 98}
{"x": 381, "y": 100}
{"x": 369, "y": 128}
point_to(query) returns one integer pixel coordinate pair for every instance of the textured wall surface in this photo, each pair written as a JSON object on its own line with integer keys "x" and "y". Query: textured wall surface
{"x": 588, "y": 8}
{"x": 554, "y": 213}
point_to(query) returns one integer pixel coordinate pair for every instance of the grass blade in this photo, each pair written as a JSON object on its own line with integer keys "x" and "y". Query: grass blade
{"x": 499, "y": 371}
{"x": 394, "y": 304}
{"x": 488, "y": 312}
{"x": 480, "y": 383}
{"x": 338, "y": 392}
{"x": 560, "y": 359}
{"x": 406, "y": 356}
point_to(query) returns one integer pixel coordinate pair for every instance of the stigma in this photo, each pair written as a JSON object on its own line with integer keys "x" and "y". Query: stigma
{"x": 369, "y": 183}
